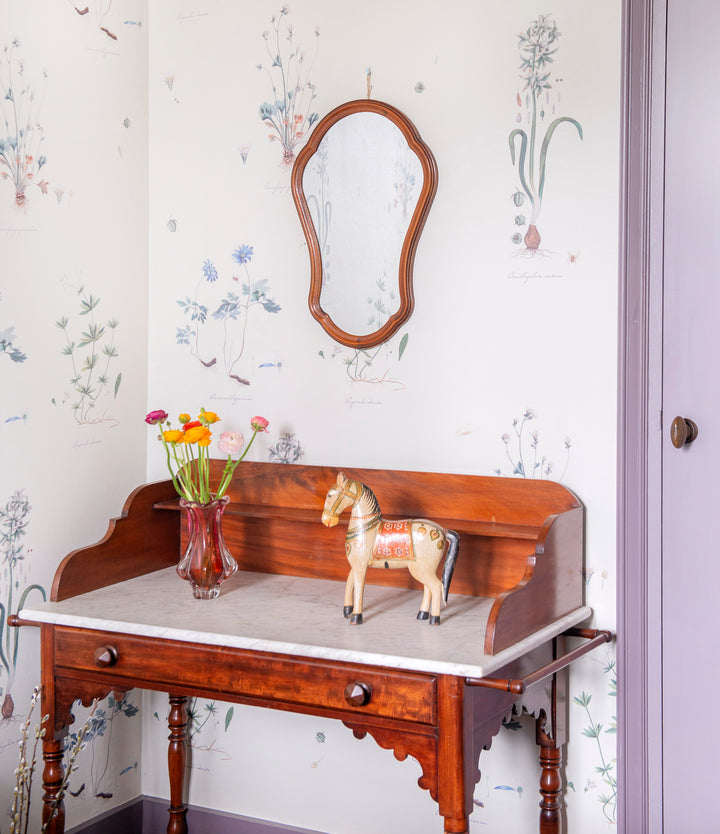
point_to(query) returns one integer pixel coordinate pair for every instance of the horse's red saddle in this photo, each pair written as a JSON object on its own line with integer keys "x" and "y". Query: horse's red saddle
{"x": 393, "y": 541}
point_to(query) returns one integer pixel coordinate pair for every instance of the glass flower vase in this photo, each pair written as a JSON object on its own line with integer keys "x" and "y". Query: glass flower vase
{"x": 207, "y": 562}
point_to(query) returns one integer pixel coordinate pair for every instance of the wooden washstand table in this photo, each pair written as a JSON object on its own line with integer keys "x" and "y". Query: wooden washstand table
{"x": 121, "y": 618}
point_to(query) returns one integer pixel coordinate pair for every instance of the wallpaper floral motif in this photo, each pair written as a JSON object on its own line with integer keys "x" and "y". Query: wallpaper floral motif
{"x": 21, "y": 141}
{"x": 288, "y": 116}
{"x": 97, "y": 748}
{"x": 99, "y": 11}
{"x": 90, "y": 346}
{"x": 14, "y": 588}
{"x": 606, "y": 768}
{"x": 226, "y": 343}
{"x": 525, "y": 454}
{"x": 371, "y": 366}
{"x": 9, "y": 346}
{"x": 286, "y": 450}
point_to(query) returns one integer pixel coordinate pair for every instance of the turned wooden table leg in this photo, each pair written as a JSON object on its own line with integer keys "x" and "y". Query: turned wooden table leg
{"x": 550, "y": 736}
{"x": 53, "y": 742}
{"x": 550, "y": 790}
{"x": 177, "y": 761}
{"x": 550, "y": 779}
{"x": 53, "y": 811}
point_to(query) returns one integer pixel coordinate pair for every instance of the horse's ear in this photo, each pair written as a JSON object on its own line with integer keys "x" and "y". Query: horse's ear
{"x": 340, "y": 479}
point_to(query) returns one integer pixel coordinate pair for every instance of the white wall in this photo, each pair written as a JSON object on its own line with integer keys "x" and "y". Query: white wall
{"x": 81, "y": 221}
{"x": 498, "y": 332}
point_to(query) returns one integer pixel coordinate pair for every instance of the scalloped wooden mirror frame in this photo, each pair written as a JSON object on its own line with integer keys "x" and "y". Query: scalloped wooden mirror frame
{"x": 415, "y": 227}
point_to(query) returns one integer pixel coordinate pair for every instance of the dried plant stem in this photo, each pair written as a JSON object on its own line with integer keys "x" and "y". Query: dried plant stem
{"x": 71, "y": 766}
{"x": 20, "y": 813}
{"x": 24, "y": 771}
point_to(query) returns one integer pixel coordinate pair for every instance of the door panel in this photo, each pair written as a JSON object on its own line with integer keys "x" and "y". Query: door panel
{"x": 691, "y": 388}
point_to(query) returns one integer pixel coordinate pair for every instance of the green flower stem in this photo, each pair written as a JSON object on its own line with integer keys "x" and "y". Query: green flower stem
{"x": 16, "y": 635}
{"x": 230, "y": 467}
{"x": 169, "y": 465}
{"x": 6, "y": 652}
{"x": 533, "y": 131}
{"x": 3, "y": 625}
{"x": 190, "y": 474}
{"x": 179, "y": 482}
{"x": 204, "y": 475}
{"x": 521, "y": 162}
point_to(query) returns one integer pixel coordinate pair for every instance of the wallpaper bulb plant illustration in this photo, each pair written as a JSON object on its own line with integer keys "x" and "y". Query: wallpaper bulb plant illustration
{"x": 538, "y": 45}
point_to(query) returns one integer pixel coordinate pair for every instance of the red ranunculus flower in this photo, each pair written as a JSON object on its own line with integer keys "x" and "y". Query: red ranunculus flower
{"x": 155, "y": 417}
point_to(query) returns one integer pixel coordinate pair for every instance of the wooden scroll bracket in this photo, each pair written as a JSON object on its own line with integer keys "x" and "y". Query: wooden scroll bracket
{"x": 594, "y": 636}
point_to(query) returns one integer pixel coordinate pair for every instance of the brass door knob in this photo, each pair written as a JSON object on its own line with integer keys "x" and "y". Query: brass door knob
{"x": 106, "y": 656}
{"x": 682, "y": 431}
{"x": 357, "y": 694}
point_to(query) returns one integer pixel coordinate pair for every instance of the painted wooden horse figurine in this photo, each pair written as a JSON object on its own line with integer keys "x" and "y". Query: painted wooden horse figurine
{"x": 415, "y": 544}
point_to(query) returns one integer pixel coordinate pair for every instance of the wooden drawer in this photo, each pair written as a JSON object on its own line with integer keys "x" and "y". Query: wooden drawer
{"x": 262, "y": 678}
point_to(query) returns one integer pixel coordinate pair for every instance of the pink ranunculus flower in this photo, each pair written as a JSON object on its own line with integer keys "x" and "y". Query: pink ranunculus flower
{"x": 259, "y": 423}
{"x": 230, "y": 442}
{"x": 155, "y": 417}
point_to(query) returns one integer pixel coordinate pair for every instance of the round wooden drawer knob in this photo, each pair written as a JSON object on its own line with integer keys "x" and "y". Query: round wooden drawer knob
{"x": 357, "y": 694}
{"x": 106, "y": 656}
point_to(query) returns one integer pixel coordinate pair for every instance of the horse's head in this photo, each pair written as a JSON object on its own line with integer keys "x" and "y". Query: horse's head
{"x": 342, "y": 494}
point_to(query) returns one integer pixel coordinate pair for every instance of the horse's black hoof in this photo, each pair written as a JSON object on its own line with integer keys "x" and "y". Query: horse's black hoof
{"x": 356, "y": 619}
{"x": 435, "y": 620}
{"x": 423, "y": 615}
{"x": 347, "y": 611}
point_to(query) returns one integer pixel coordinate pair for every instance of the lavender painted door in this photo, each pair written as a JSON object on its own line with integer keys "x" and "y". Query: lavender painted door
{"x": 691, "y": 388}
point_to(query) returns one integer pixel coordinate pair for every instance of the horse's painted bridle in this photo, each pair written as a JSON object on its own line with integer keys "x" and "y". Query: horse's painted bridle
{"x": 345, "y": 492}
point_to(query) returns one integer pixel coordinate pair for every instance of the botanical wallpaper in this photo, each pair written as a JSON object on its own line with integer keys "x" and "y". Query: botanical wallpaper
{"x": 153, "y": 258}
{"x": 73, "y": 344}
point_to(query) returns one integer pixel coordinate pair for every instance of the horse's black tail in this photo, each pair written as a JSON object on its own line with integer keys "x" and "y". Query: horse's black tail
{"x": 450, "y": 557}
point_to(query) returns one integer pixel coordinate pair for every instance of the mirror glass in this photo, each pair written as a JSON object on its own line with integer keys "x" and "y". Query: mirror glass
{"x": 363, "y": 186}
{"x": 363, "y": 172}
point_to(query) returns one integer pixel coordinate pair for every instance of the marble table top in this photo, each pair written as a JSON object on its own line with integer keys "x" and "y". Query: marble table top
{"x": 303, "y": 617}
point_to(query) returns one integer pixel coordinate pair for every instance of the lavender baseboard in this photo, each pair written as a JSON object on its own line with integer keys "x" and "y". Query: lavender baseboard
{"x": 148, "y": 815}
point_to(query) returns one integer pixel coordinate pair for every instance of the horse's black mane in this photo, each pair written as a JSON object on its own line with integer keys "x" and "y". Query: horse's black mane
{"x": 368, "y": 493}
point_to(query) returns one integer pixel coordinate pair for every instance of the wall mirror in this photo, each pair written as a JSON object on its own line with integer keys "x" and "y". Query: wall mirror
{"x": 363, "y": 185}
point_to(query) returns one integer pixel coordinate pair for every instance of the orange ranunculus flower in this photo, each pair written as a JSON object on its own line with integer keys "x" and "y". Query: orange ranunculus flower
{"x": 209, "y": 416}
{"x": 184, "y": 418}
{"x": 198, "y": 433}
{"x": 174, "y": 436}
{"x": 193, "y": 425}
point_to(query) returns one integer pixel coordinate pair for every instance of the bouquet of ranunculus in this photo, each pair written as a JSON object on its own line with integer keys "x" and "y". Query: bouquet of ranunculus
{"x": 188, "y": 456}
